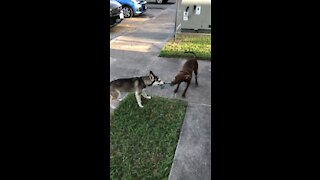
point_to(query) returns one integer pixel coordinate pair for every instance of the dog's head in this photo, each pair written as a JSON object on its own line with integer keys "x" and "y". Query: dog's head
{"x": 155, "y": 79}
{"x": 181, "y": 77}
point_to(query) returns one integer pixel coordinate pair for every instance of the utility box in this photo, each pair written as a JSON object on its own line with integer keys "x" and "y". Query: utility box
{"x": 196, "y": 15}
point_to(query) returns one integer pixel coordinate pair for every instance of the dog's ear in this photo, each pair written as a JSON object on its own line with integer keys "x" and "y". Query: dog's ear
{"x": 151, "y": 72}
{"x": 187, "y": 77}
{"x": 151, "y": 76}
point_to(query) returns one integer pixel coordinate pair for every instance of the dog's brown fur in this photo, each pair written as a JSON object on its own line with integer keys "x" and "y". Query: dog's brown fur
{"x": 185, "y": 75}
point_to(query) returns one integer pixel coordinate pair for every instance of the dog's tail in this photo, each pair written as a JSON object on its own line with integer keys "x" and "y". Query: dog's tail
{"x": 194, "y": 55}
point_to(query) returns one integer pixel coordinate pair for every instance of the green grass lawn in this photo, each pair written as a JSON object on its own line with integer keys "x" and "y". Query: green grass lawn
{"x": 143, "y": 140}
{"x": 199, "y": 44}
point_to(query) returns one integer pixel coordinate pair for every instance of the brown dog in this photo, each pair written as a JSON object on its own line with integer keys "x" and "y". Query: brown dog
{"x": 185, "y": 75}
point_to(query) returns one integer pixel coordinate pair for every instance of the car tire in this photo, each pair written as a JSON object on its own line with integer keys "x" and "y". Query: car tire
{"x": 159, "y": 1}
{"x": 127, "y": 11}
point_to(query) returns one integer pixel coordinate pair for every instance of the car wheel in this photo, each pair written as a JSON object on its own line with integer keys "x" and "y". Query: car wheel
{"x": 127, "y": 11}
{"x": 159, "y": 1}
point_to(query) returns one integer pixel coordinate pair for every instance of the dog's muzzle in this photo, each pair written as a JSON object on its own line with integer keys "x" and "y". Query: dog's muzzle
{"x": 158, "y": 82}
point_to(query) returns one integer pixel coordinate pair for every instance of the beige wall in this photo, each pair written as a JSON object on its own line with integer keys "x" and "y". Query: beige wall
{"x": 201, "y": 21}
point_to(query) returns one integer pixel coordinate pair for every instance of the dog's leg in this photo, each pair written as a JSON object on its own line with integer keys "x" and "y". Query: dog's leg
{"x": 119, "y": 95}
{"x": 138, "y": 98}
{"x": 184, "y": 93}
{"x": 112, "y": 106}
{"x": 196, "y": 76}
{"x": 176, "y": 90}
{"x": 196, "y": 73}
{"x": 144, "y": 94}
{"x": 111, "y": 102}
{"x": 114, "y": 94}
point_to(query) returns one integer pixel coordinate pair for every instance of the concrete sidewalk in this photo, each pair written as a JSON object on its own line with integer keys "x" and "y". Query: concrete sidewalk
{"x": 135, "y": 54}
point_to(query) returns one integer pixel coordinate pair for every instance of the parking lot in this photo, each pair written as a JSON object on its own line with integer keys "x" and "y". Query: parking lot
{"x": 130, "y": 24}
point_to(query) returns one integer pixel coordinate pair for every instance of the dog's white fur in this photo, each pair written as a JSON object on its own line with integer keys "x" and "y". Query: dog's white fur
{"x": 138, "y": 92}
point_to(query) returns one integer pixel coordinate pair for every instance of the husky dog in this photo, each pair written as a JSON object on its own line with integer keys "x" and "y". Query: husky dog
{"x": 135, "y": 84}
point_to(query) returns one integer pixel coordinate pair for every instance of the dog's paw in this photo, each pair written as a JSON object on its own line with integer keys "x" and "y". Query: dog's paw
{"x": 140, "y": 105}
{"x": 184, "y": 96}
{"x": 148, "y": 97}
{"x": 175, "y": 91}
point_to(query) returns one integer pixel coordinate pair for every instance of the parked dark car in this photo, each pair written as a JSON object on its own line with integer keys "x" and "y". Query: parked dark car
{"x": 116, "y": 13}
{"x": 161, "y": 1}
